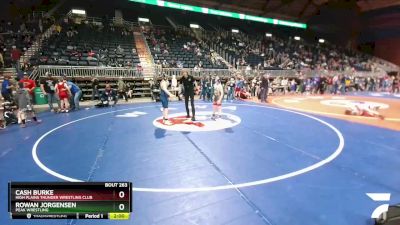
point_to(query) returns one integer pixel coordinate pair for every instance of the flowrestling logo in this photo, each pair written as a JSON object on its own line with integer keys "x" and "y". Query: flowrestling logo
{"x": 204, "y": 122}
{"x": 382, "y": 209}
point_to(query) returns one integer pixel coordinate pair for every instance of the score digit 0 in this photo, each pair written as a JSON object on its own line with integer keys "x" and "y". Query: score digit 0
{"x": 121, "y": 194}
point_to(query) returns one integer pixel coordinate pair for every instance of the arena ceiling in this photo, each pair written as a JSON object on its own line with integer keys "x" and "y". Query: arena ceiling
{"x": 298, "y": 10}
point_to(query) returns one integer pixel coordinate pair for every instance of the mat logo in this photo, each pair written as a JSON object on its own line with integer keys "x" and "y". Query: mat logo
{"x": 132, "y": 114}
{"x": 379, "y": 197}
{"x": 204, "y": 122}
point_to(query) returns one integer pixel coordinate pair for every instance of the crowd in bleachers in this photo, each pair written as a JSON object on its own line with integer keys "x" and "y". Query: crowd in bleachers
{"x": 18, "y": 35}
{"x": 178, "y": 49}
{"x": 287, "y": 53}
{"x": 89, "y": 44}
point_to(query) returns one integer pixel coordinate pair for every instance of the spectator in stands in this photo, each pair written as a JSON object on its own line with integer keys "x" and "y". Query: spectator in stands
{"x": 40, "y": 25}
{"x": 395, "y": 84}
{"x": 1, "y": 59}
{"x": 165, "y": 64}
{"x": 24, "y": 104}
{"x": 6, "y": 89}
{"x": 70, "y": 33}
{"x": 76, "y": 94}
{"x": 122, "y": 89}
{"x": 95, "y": 88}
{"x": 58, "y": 28}
{"x": 139, "y": 69}
{"x": 15, "y": 56}
{"x": 179, "y": 64}
{"x": 47, "y": 85}
{"x": 119, "y": 50}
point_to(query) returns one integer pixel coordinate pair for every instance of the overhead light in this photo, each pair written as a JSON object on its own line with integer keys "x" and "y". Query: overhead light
{"x": 235, "y": 31}
{"x": 146, "y": 20}
{"x": 268, "y": 34}
{"x": 78, "y": 11}
{"x": 297, "y": 38}
{"x": 321, "y": 40}
{"x": 194, "y": 26}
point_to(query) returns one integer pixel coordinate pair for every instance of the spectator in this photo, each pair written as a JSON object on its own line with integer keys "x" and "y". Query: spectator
{"x": 24, "y": 104}
{"x": 47, "y": 85}
{"x": 76, "y": 94}
{"x": 58, "y": 28}
{"x": 1, "y": 60}
{"x": 122, "y": 89}
{"x": 95, "y": 88}
{"x": 264, "y": 88}
{"x": 29, "y": 84}
{"x": 15, "y": 56}
{"x": 6, "y": 89}
{"x": 139, "y": 69}
{"x": 40, "y": 24}
{"x": 395, "y": 85}
{"x": 231, "y": 89}
{"x": 119, "y": 50}
{"x": 108, "y": 95}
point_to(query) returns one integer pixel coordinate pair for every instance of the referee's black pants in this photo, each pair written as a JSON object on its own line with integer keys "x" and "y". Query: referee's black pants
{"x": 191, "y": 96}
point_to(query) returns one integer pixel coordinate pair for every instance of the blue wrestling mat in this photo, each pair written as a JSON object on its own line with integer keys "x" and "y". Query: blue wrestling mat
{"x": 255, "y": 165}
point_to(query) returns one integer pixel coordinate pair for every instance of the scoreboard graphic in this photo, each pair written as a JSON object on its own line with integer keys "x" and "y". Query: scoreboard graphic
{"x": 70, "y": 200}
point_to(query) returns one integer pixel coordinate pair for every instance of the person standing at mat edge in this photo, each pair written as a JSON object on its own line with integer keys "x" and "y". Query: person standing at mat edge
{"x": 218, "y": 96}
{"x": 188, "y": 91}
{"x": 164, "y": 95}
{"x": 48, "y": 87}
{"x": 264, "y": 88}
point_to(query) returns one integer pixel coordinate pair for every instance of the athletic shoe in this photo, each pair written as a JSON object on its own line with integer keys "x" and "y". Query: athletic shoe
{"x": 66, "y": 110}
{"x": 193, "y": 119}
{"x": 213, "y": 117}
{"x": 38, "y": 121}
{"x": 52, "y": 110}
{"x": 167, "y": 122}
{"x": 187, "y": 116}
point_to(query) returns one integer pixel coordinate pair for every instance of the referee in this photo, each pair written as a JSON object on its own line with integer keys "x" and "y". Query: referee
{"x": 188, "y": 91}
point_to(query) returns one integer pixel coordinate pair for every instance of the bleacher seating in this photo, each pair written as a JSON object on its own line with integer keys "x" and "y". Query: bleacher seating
{"x": 173, "y": 42}
{"x": 20, "y": 33}
{"x": 277, "y": 52}
{"x": 139, "y": 87}
{"x": 90, "y": 46}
